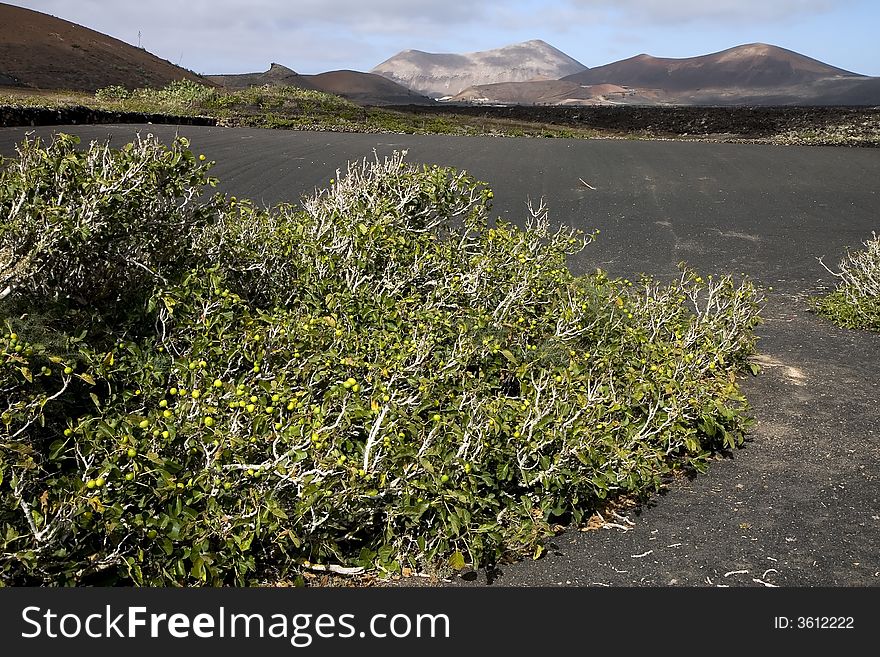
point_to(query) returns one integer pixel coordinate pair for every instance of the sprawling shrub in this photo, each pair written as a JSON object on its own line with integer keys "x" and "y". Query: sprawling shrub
{"x": 178, "y": 95}
{"x": 855, "y": 303}
{"x": 100, "y": 228}
{"x": 379, "y": 376}
{"x": 113, "y": 92}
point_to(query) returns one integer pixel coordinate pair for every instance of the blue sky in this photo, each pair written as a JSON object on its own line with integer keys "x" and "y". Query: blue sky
{"x": 310, "y": 36}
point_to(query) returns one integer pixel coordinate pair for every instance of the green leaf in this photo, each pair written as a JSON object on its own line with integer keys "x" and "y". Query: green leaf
{"x": 278, "y": 512}
{"x": 56, "y": 448}
{"x": 198, "y": 568}
{"x": 456, "y": 560}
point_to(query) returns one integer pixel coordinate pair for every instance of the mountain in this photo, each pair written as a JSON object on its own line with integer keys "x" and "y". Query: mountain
{"x": 440, "y": 75}
{"x": 366, "y": 88}
{"x": 361, "y": 88}
{"x": 753, "y": 74}
{"x": 44, "y": 52}
{"x": 276, "y": 75}
{"x": 756, "y": 65}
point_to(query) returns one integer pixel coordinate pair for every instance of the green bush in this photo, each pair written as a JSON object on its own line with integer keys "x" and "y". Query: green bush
{"x": 97, "y": 227}
{"x": 113, "y": 92}
{"x": 178, "y": 95}
{"x": 855, "y": 303}
{"x": 378, "y": 377}
{"x": 263, "y": 106}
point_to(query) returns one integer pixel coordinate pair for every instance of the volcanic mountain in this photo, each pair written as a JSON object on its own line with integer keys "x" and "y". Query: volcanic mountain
{"x": 361, "y": 88}
{"x": 753, "y": 74}
{"x": 276, "y": 75}
{"x": 44, "y": 52}
{"x": 752, "y": 66}
{"x": 440, "y": 75}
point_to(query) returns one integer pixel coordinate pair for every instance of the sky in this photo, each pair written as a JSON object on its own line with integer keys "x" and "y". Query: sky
{"x": 312, "y": 36}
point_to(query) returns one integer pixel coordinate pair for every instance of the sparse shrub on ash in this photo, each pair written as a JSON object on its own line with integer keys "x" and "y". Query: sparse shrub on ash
{"x": 855, "y": 303}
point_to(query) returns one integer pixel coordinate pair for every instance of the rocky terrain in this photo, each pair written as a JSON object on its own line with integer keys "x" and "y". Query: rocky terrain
{"x": 850, "y": 126}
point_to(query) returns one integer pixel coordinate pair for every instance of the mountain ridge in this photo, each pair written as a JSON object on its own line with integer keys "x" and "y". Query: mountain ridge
{"x": 749, "y": 74}
{"x": 445, "y": 74}
{"x": 360, "y": 88}
{"x": 752, "y": 65}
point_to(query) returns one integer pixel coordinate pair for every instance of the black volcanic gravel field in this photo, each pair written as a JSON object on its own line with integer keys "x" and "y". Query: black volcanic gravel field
{"x": 741, "y": 122}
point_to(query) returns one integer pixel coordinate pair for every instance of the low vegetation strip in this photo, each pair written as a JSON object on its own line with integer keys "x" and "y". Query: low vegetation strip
{"x": 198, "y": 390}
{"x": 270, "y": 106}
{"x": 831, "y": 126}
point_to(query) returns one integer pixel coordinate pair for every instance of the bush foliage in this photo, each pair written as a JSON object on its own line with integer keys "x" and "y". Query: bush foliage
{"x": 267, "y": 106}
{"x": 855, "y": 303}
{"x": 198, "y": 390}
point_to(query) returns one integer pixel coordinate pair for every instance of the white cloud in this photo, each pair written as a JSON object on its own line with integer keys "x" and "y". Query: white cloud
{"x": 233, "y": 36}
{"x": 239, "y": 35}
{"x": 710, "y": 11}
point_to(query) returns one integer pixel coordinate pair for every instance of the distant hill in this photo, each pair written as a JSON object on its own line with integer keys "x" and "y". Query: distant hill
{"x": 361, "y": 88}
{"x": 753, "y": 74}
{"x": 43, "y": 52}
{"x": 276, "y": 75}
{"x": 755, "y": 65}
{"x": 366, "y": 88}
{"x": 441, "y": 75}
